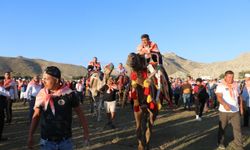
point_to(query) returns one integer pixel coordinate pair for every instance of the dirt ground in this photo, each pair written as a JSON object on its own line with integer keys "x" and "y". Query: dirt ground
{"x": 174, "y": 129}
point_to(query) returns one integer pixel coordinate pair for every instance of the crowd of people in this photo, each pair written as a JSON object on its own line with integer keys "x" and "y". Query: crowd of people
{"x": 51, "y": 100}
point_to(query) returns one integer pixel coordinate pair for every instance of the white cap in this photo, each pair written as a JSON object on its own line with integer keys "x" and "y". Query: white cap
{"x": 247, "y": 75}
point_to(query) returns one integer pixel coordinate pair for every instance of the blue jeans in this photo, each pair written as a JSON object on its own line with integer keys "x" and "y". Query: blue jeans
{"x": 186, "y": 100}
{"x": 63, "y": 145}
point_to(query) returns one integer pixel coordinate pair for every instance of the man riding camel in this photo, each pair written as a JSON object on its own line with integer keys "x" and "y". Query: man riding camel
{"x": 149, "y": 49}
{"x": 121, "y": 70}
{"x": 94, "y": 65}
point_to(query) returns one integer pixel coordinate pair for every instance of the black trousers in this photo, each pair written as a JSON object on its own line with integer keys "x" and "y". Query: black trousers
{"x": 199, "y": 106}
{"x": 176, "y": 99}
{"x": 2, "y": 116}
{"x": 9, "y": 110}
{"x": 246, "y": 117}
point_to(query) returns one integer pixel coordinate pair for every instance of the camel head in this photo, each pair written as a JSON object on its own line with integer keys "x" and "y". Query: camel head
{"x": 108, "y": 69}
{"x": 136, "y": 62}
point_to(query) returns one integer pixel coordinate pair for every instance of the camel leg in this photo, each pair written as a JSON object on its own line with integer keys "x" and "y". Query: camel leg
{"x": 120, "y": 97}
{"x": 144, "y": 126}
{"x": 149, "y": 128}
{"x": 138, "y": 117}
{"x": 124, "y": 98}
{"x": 92, "y": 105}
{"x": 99, "y": 109}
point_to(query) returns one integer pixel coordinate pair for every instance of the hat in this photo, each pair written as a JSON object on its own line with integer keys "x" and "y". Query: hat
{"x": 53, "y": 71}
{"x": 247, "y": 75}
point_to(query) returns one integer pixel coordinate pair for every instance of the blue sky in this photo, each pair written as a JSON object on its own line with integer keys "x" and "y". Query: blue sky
{"x": 74, "y": 31}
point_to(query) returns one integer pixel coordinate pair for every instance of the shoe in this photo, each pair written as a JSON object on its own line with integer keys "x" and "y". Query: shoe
{"x": 221, "y": 146}
{"x": 3, "y": 139}
{"x": 112, "y": 126}
{"x": 106, "y": 125}
{"x": 199, "y": 119}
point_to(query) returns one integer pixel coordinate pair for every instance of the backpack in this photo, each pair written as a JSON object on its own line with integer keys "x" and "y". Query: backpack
{"x": 202, "y": 93}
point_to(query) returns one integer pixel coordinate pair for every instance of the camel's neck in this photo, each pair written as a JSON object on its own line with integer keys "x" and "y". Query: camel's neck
{"x": 105, "y": 77}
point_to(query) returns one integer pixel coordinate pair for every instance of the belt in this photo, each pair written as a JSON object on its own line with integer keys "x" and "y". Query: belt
{"x": 56, "y": 139}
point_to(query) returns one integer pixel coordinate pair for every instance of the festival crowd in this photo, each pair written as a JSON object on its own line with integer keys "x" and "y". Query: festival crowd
{"x": 51, "y": 100}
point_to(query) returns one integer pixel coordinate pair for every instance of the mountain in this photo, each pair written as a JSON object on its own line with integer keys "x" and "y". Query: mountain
{"x": 177, "y": 66}
{"x": 22, "y": 66}
{"x": 174, "y": 64}
{"x": 239, "y": 64}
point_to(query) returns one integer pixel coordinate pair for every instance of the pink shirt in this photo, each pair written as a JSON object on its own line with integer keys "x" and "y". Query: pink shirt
{"x": 152, "y": 47}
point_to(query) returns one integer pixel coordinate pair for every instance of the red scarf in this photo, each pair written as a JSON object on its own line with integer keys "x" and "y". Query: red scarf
{"x": 44, "y": 98}
{"x": 7, "y": 82}
{"x": 231, "y": 88}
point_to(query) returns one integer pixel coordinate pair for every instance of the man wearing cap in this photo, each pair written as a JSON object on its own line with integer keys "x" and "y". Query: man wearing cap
{"x": 246, "y": 98}
{"x": 53, "y": 106}
{"x": 4, "y": 94}
{"x": 32, "y": 90}
{"x": 229, "y": 110}
{"x": 10, "y": 85}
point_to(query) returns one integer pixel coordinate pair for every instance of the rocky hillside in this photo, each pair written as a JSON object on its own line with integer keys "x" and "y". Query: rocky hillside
{"x": 177, "y": 66}
{"x": 22, "y": 66}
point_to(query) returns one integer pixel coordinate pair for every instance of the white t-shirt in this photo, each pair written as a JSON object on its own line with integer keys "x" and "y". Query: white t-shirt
{"x": 33, "y": 90}
{"x": 231, "y": 100}
{"x": 79, "y": 87}
{"x": 4, "y": 92}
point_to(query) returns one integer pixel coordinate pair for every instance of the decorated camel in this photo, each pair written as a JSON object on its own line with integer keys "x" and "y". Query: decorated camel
{"x": 149, "y": 86}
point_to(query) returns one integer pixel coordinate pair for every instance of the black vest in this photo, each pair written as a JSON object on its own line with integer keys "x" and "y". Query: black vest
{"x": 58, "y": 125}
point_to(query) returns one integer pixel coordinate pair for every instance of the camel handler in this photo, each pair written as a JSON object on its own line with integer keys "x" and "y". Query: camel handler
{"x": 53, "y": 106}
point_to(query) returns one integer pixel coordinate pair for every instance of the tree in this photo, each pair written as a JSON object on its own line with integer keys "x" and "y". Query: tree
{"x": 222, "y": 76}
{"x": 242, "y": 74}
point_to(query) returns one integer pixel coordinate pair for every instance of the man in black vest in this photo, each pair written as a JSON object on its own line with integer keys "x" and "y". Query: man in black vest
{"x": 53, "y": 106}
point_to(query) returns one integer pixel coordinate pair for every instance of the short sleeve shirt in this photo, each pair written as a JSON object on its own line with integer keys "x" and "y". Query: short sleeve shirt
{"x": 231, "y": 100}
{"x": 59, "y": 124}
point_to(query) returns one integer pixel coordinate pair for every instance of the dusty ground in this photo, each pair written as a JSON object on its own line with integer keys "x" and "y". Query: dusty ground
{"x": 173, "y": 130}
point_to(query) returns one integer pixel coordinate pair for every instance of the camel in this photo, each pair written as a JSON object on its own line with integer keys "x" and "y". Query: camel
{"x": 96, "y": 83}
{"x": 122, "y": 83}
{"x": 149, "y": 86}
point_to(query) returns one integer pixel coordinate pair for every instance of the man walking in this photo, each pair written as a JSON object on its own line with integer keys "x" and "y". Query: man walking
{"x": 228, "y": 97}
{"x": 53, "y": 106}
{"x": 11, "y": 87}
{"x": 32, "y": 90}
{"x": 4, "y": 94}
